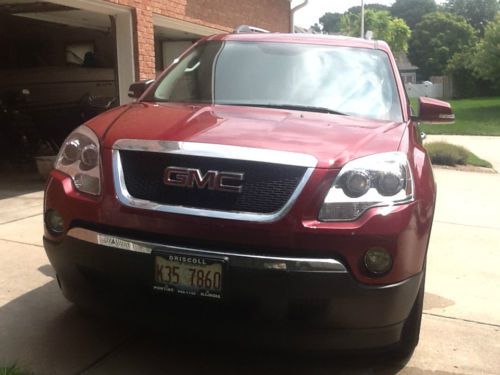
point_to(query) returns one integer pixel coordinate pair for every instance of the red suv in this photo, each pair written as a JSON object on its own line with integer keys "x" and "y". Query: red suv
{"x": 280, "y": 174}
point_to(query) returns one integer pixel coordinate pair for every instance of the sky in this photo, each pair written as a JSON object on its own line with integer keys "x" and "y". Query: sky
{"x": 316, "y": 8}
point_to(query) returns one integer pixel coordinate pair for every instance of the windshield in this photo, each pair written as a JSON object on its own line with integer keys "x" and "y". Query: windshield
{"x": 351, "y": 81}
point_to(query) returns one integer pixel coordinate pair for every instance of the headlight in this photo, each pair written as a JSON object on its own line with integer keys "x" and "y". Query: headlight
{"x": 372, "y": 181}
{"x": 79, "y": 158}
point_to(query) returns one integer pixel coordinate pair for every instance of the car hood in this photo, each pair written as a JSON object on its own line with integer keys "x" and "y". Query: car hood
{"x": 331, "y": 139}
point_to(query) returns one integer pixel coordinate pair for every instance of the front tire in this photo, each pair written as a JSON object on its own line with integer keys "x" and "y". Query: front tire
{"x": 411, "y": 329}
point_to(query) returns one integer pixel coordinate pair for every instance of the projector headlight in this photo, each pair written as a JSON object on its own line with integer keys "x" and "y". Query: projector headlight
{"x": 79, "y": 158}
{"x": 372, "y": 181}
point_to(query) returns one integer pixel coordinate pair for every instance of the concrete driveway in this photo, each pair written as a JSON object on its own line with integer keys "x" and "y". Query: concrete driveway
{"x": 42, "y": 332}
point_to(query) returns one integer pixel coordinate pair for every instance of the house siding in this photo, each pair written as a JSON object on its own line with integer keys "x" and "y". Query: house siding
{"x": 225, "y": 15}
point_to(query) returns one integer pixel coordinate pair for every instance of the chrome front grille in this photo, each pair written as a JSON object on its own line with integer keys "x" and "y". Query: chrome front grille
{"x": 268, "y": 189}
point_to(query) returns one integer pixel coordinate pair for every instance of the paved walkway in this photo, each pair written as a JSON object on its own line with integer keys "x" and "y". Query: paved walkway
{"x": 461, "y": 326}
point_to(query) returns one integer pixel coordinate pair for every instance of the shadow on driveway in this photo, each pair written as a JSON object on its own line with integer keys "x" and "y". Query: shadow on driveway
{"x": 13, "y": 184}
{"x": 161, "y": 353}
{"x": 42, "y": 332}
{"x": 47, "y": 335}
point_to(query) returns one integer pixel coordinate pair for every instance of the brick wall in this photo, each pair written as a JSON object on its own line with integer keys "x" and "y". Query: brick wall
{"x": 220, "y": 14}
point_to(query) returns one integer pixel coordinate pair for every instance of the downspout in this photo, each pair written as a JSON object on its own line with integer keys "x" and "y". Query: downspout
{"x": 292, "y": 14}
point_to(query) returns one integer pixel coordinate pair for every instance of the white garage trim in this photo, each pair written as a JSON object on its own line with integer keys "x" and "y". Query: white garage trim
{"x": 71, "y": 18}
{"x": 188, "y": 27}
{"x": 125, "y": 54}
{"x": 97, "y": 6}
{"x": 124, "y": 38}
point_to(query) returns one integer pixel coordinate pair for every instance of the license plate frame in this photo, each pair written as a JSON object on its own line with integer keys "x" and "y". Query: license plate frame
{"x": 186, "y": 261}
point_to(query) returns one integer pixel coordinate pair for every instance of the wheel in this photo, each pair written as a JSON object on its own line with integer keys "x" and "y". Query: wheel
{"x": 411, "y": 329}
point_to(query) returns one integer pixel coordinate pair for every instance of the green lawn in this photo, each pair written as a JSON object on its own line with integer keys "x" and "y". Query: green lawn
{"x": 479, "y": 116}
{"x": 13, "y": 370}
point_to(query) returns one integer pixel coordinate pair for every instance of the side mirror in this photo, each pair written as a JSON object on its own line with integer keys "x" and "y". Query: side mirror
{"x": 136, "y": 89}
{"x": 433, "y": 111}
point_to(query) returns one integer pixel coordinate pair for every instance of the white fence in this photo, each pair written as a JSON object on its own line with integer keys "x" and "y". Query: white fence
{"x": 431, "y": 90}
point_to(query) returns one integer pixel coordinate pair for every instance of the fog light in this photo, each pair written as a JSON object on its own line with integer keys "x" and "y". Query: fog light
{"x": 378, "y": 261}
{"x": 54, "y": 221}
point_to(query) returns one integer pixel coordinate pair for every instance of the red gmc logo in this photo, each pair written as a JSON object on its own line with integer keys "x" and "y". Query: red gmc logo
{"x": 212, "y": 180}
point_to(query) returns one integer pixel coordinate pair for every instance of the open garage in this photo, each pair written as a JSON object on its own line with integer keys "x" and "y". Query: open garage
{"x": 60, "y": 66}
{"x": 63, "y": 62}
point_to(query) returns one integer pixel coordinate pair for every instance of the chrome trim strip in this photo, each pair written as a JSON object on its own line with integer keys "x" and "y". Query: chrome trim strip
{"x": 208, "y": 150}
{"x": 237, "y": 260}
{"x": 218, "y": 151}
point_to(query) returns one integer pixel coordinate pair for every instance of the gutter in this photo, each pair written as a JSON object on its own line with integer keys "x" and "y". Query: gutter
{"x": 292, "y": 14}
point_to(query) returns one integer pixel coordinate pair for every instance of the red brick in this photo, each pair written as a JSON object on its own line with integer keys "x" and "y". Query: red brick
{"x": 219, "y": 14}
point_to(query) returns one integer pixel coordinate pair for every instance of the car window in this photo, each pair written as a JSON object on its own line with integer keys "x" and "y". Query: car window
{"x": 353, "y": 81}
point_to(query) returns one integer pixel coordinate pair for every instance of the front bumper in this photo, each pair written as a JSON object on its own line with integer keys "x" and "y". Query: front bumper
{"x": 308, "y": 298}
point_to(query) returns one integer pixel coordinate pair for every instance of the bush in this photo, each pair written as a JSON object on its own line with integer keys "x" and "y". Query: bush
{"x": 442, "y": 153}
{"x": 466, "y": 83}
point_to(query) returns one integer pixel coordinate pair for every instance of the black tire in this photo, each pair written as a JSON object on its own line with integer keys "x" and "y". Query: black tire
{"x": 411, "y": 329}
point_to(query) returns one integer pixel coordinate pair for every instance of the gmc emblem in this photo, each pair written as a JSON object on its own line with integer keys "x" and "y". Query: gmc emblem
{"x": 212, "y": 180}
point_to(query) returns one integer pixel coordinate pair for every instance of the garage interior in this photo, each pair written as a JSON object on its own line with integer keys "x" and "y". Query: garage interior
{"x": 63, "y": 62}
{"x": 58, "y": 69}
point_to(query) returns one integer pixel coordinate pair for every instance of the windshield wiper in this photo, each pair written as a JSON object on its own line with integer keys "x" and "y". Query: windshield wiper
{"x": 299, "y": 108}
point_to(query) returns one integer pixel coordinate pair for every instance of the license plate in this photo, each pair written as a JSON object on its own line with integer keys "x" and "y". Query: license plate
{"x": 189, "y": 275}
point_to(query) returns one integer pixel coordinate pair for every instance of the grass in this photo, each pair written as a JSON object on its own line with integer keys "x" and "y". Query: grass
{"x": 473, "y": 159}
{"x": 478, "y": 116}
{"x": 13, "y": 370}
{"x": 443, "y": 153}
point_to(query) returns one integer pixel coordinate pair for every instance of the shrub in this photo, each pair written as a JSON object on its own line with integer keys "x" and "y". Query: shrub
{"x": 443, "y": 153}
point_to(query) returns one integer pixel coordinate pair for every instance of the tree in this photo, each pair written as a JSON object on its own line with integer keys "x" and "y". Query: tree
{"x": 400, "y": 33}
{"x": 350, "y": 24}
{"x": 436, "y": 39}
{"x": 330, "y": 23}
{"x": 486, "y": 62}
{"x": 477, "y": 12}
{"x": 384, "y": 27}
{"x": 316, "y": 28}
{"x": 378, "y": 7}
{"x": 412, "y": 11}
{"x": 461, "y": 67}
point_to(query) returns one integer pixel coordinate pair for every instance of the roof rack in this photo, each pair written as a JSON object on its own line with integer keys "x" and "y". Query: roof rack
{"x": 249, "y": 29}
